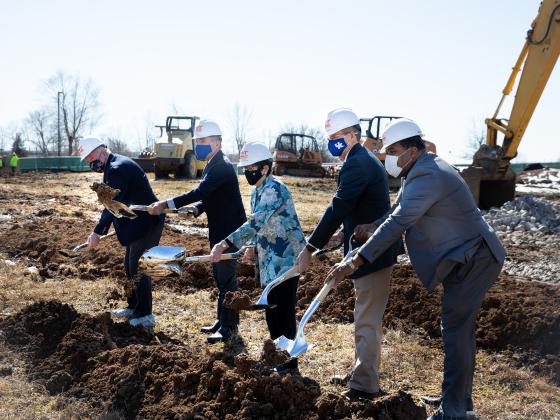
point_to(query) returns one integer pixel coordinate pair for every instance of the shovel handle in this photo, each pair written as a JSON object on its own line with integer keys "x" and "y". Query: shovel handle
{"x": 82, "y": 246}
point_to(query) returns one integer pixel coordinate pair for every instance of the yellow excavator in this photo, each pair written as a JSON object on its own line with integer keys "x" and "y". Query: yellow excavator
{"x": 490, "y": 177}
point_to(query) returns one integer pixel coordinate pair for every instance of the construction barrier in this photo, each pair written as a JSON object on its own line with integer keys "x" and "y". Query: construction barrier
{"x": 53, "y": 163}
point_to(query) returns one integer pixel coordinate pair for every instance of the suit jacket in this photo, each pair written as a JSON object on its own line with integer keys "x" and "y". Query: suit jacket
{"x": 126, "y": 175}
{"x": 362, "y": 197}
{"x": 218, "y": 195}
{"x": 442, "y": 224}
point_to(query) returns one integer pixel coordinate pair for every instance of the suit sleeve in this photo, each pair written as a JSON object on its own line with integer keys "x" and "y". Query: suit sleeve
{"x": 118, "y": 180}
{"x": 210, "y": 183}
{"x": 415, "y": 200}
{"x": 353, "y": 182}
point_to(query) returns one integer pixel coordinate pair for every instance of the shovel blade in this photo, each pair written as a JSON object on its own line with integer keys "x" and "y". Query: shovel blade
{"x": 284, "y": 343}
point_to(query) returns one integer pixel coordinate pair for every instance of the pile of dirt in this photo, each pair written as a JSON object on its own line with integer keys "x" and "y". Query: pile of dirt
{"x": 238, "y": 301}
{"x": 104, "y": 192}
{"x": 58, "y": 342}
{"x": 521, "y": 317}
{"x": 129, "y": 372}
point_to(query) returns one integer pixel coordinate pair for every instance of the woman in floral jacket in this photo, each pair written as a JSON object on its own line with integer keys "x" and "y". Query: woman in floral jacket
{"x": 275, "y": 231}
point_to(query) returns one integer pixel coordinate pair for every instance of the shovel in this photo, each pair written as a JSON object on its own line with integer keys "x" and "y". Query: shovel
{"x": 262, "y": 303}
{"x": 162, "y": 258}
{"x": 142, "y": 207}
{"x": 299, "y": 345}
{"x": 82, "y": 246}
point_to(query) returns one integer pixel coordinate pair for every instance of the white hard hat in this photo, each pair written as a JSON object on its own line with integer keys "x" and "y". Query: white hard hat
{"x": 88, "y": 145}
{"x": 207, "y": 128}
{"x": 399, "y": 129}
{"x": 339, "y": 119}
{"x": 252, "y": 153}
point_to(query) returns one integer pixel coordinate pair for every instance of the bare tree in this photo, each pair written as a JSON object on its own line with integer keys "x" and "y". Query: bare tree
{"x": 18, "y": 145}
{"x": 40, "y": 127}
{"x": 477, "y": 138}
{"x": 117, "y": 145}
{"x": 240, "y": 120}
{"x": 79, "y": 105}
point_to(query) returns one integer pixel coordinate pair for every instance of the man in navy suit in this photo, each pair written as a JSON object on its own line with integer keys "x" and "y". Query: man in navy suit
{"x": 362, "y": 196}
{"x": 219, "y": 197}
{"x": 137, "y": 235}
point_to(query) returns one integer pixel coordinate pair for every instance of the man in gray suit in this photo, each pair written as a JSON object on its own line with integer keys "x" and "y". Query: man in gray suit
{"x": 448, "y": 242}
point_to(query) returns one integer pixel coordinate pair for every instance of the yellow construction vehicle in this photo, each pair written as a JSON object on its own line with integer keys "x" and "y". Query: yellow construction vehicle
{"x": 372, "y": 128}
{"x": 490, "y": 177}
{"x": 297, "y": 154}
{"x": 174, "y": 150}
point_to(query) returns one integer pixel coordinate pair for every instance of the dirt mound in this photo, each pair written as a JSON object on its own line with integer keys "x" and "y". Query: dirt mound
{"x": 132, "y": 373}
{"x": 396, "y": 406}
{"x": 238, "y": 301}
{"x": 58, "y": 341}
{"x": 523, "y": 317}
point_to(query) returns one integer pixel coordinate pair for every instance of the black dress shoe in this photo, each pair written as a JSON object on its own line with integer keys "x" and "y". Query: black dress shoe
{"x": 222, "y": 335}
{"x": 341, "y": 379}
{"x": 287, "y": 367}
{"x": 438, "y": 415}
{"x": 354, "y": 394}
{"x": 436, "y": 401}
{"x": 212, "y": 328}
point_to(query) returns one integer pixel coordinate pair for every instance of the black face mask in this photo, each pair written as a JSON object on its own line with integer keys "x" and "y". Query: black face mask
{"x": 253, "y": 176}
{"x": 97, "y": 165}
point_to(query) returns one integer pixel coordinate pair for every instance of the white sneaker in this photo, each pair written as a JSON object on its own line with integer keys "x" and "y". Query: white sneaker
{"x": 147, "y": 321}
{"x": 122, "y": 313}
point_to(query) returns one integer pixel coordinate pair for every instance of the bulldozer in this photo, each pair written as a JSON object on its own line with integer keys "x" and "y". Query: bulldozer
{"x": 297, "y": 154}
{"x": 174, "y": 149}
{"x": 490, "y": 176}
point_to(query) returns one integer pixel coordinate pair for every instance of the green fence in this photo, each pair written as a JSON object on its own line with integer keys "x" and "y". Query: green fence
{"x": 54, "y": 163}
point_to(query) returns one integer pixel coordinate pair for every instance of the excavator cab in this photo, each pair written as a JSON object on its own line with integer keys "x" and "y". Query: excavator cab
{"x": 297, "y": 154}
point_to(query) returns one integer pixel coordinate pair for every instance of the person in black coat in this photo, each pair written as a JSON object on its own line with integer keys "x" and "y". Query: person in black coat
{"x": 137, "y": 235}
{"x": 362, "y": 196}
{"x": 219, "y": 197}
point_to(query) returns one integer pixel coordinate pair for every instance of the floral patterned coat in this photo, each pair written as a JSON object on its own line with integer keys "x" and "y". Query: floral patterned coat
{"x": 274, "y": 228}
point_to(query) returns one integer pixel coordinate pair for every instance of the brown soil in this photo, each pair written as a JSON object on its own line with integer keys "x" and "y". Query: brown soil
{"x": 135, "y": 374}
{"x": 519, "y": 317}
{"x": 238, "y": 301}
{"x": 104, "y": 192}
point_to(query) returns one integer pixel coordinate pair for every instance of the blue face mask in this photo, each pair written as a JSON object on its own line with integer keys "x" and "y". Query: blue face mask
{"x": 337, "y": 146}
{"x": 202, "y": 150}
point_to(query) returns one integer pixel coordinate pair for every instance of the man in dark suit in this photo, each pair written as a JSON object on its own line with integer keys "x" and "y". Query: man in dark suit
{"x": 218, "y": 195}
{"x": 362, "y": 196}
{"x": 137, "y": 235}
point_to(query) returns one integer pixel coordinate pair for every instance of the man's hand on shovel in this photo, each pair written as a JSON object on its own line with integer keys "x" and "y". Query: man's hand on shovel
{"x": 155, "y": 209}
{"x": 93, "y": 240}
{"x": 343, "y": 269}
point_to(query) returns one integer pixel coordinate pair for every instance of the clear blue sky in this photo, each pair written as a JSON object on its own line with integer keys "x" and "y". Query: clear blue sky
{"x": 442, "y": 63}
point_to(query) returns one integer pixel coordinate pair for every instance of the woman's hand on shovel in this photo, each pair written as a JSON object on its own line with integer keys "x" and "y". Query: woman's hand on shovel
{"x": 217, "y": 251}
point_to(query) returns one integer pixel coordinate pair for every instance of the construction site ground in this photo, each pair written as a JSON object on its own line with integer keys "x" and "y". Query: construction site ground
{"x": 61, "y": 356}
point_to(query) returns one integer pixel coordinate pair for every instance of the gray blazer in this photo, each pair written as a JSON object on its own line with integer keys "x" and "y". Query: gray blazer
{"x": 442, "y": 225}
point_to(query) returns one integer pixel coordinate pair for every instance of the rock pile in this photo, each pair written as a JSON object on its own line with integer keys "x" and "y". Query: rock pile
{"x": 527, "y": 214}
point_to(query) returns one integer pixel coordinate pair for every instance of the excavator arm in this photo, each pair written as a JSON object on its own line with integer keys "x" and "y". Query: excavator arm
{"x": 490, "y": 177}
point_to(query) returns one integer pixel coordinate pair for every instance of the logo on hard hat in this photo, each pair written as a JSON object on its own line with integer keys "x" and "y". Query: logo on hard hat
{"x": 81, "y": 150}
{"x": 244, "y": 155}
{"x": 328, "y": 124}
{"x": 199, "y": 128}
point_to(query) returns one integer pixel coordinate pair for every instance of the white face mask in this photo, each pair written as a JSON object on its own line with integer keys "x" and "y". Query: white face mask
{"x": 391, "y": 165}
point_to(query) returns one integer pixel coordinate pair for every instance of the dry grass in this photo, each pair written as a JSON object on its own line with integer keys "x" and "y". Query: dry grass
{"x": 409, "y": 362}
